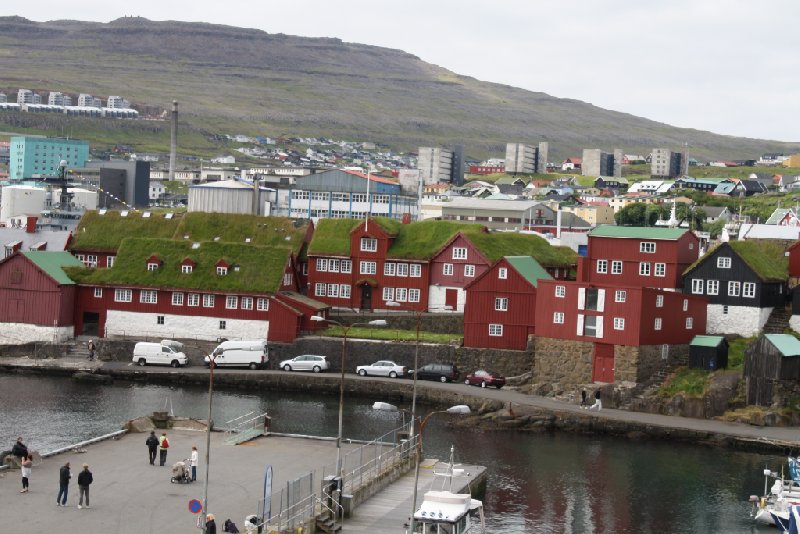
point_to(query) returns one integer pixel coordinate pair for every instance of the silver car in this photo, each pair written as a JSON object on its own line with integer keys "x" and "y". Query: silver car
{"x": 306, "y": 362}
{"x": 382, "y": 368}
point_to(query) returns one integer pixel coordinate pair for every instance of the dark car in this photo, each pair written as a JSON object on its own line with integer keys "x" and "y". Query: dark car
{"x": 484, "y": 378}
{"x": 443, "y": 372}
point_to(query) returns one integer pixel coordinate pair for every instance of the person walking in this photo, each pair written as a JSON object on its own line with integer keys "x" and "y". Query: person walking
{"x": 85, "y": 479}
{"x": 63, "y": 484}
{"x": 583, "y": 398}
{"x": 211, "y": 524}
{"x": 598, "y": 404}
{"x": 90, "y": 346}
{"x": 19, "y": 450}
{"x": 152, "y": 446}
{"x": 163, "y": 445}
{"x": 194, "y": 459}
{"x": 26, "y": 467}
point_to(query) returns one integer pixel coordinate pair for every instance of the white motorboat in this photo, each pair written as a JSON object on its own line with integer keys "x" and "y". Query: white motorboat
{"x": 774, "y": 507}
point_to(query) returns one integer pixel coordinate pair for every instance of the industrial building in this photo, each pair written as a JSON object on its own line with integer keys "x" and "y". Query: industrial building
{"x": 229, "y": 196}
{"x": 526, "y": 159}
{"x": 36, "y": 157}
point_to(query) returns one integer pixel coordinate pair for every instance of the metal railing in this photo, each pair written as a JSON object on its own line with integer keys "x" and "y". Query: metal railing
{"x": 156, "y": 335}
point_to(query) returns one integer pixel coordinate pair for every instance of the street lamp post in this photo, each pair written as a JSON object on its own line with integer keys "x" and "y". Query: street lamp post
{"x": 346, "y": 330}
{"x": 211, "y": 359}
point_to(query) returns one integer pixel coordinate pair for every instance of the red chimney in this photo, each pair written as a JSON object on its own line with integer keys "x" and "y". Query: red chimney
{"x": 406, "y": 218}
{"x": 31, "y": 227}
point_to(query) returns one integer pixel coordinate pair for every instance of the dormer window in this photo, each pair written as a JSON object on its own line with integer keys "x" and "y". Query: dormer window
{"x": 187, "y": 266}
{"x": 369, "y": 244}
{"x": 222, "y": 267}
{"x": 186, "y": 269}
{"x": 222, "y": 271}
{"x": 152, "y": 266}
{"x": 153, "y": 263}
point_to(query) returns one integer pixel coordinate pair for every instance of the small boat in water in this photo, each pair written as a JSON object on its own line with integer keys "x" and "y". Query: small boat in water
{"x": 774, "y": 508}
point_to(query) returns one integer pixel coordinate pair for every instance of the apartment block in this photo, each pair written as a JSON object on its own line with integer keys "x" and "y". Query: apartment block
{"x": 32, "y": 157}
{"x": 526, "y": 159}
{"x": 599, "y": 163}
{"x": 665, "y": 163}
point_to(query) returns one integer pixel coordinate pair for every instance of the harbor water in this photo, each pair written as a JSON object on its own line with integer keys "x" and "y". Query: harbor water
{"x": 543, "y": 483}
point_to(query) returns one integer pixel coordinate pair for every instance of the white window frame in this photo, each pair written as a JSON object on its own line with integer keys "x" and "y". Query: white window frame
{"x": 602, "y": 266}
{"x": 415, "y": 270}
{"x": 712, "y": 287}
{"x": 389, "y": 269}
{"x": 698, "y": 286}
{"x": 501, "y": 304}
{"x": 322, "y": 265}
{"x": 644, "y": 268}
{"x": 222, "y": 271}
{"x": 402, "y": 270}
{"x": 231, "y": 302}
{"x": 247, "y": 303}
{"x": 123, "y": 295}
{"x": 660, "y": 269}
{"x": 388, "y": 294}
{"x": 262, "y": 304}
{"x": 147, "y": 296}
{"x": 346, "y": 266}
{"x": 177, "y": 299}
{"x": 333, "y": 266}
{"x": 367, "y": 267}
{"x": 616, "y": 267}
{"x": 320, "y": 290}
{"x": 152, "y": 267}
{"x": 469, "y": 270}
{"x": 459, "y": 253}
{"x": 495, "y": 330}
{"x": 749, "y": 290}
{"x": 561, "y": 292}
{"x": 447, "y": 269}
{"x": 723, "y": 262}
{"x": 344, "y": 291}
{"x": 734, "y": 288}
{"x": 620, "y": 295}
{"x": 401, "y": 294}
{"x": 193, "y": 300}
{"x": 333, "y": 291}
{"x": 369, "y": 244}
{"x": 689, "y": 323}
{"x": 208, "y": 300}
{"x": 186, "y": 269}
{"x": 647, "y": 247}
{"x": 659, "y": 301}
{"x": 657, "y": 324}
{"x": 414, "y": 295}
{"x": 685, "y": 304}
{"x": 98, "y": 292}
{"x": 287, "y": 279}
{"x": 110, "y": 261}
{"x": 619, "y": 323}
{"x": 558, "y": 317}
{"x": 502, "y": 273}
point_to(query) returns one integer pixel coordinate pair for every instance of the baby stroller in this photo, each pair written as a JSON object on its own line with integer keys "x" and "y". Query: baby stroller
{"x": 181, "y": 472}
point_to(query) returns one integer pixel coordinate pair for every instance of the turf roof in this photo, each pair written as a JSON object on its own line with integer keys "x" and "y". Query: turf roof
{"x": 260, "y": 268}
{"x": 105, "y": 232}
{"x": 332, "y": 236}
{"x": 496, "y": 245}
{"x": 766, "y": 259}
{"x": 642, "y": 232}
{"x": 234, "y": 228}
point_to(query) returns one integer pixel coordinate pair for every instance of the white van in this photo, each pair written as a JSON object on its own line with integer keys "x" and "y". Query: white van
{"x": 252, "y": 354}
{"x": 165, "y": 353}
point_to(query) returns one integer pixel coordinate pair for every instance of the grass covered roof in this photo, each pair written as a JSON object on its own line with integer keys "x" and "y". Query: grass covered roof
{"x": 234, "y": 228}
{"x": 422, "y": 240}
{"x": 105, "y": 232}
{"x": 766, "y": 259}
{"x": 260, "y": 268}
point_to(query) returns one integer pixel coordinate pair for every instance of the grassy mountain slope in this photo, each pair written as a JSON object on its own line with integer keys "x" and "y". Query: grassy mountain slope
{"x": 237, "y": 80}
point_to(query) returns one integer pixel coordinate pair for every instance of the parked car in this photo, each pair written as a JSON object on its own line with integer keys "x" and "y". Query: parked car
{"x": 306, "y": 362}
{"x": 382, "y": 368}
{"x": 443, "y": 372}
{"x": 484, "y": 378}
{"x": 164, "y": 353}
{"x": 252, "y": 354}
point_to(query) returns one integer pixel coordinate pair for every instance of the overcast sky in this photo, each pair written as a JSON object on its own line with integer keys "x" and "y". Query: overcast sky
{"x": 728, "y": 66}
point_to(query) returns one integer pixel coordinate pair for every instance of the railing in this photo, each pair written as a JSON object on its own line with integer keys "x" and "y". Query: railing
{"x": 157, "y": 335}
{"x": 247, "y": 429}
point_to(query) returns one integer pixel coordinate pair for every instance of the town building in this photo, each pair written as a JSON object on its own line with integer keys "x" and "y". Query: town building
{"x": 510, "y": 215}
{"x": 500, "y": 306}
{"x": 744, "y": 281}
{"x": 117, "y": 102}
{"x": 772, "y": 370}
{"x": 33, "y": 157}
{"x": 526, "y": 159}
{"x": 638, "y": 256}
{"x": 441, "y": 165}
{"x": 595, "y": 162}
{"x": 664, "y": 163}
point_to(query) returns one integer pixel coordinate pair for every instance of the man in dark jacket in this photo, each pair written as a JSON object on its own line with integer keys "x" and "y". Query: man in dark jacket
{"x": 211, "y": 524}
{"x": 63, "y": 484}
{"x": 84, "y": 480}
{"x": 152, "y": 446}
{"x": 20, "y": 450}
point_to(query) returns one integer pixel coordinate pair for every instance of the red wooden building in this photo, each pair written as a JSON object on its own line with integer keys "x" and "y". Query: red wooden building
{"x": 637, "y": 256}
{"x": 36, "y": 297}
{"x": 614, "y": 332}
{"x": 458, "y": 264}
{"x": 501, "y": 303}
{"x": 794, "y": 262}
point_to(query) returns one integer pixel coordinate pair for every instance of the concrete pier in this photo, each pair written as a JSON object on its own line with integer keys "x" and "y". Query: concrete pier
{"x": 131, "y": 496}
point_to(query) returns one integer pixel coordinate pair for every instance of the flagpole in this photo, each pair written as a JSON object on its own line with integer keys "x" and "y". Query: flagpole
{"x": 366, "y": 225}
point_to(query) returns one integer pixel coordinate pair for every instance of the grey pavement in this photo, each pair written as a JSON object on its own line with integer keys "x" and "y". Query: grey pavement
{"x": 131, "y": 496}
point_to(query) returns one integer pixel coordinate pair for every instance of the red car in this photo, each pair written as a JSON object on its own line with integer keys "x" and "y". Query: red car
{"x": 485, "y": 378}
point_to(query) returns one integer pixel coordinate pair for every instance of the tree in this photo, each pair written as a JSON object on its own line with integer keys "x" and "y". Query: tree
{"x": 631, "y": 215}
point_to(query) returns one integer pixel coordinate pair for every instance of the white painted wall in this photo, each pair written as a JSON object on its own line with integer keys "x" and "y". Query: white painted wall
{"x": 436, "y": 296}
{"x": 794, "y": 323}
{"x": 742, "y": 320}
{"x": 21, "y": 333}
{"x": 181, "y": 326}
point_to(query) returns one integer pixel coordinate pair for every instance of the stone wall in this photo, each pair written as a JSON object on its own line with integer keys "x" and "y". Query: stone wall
{"x": 24, "y": 333}
{"x": 562, "y": 363}
{"x": 32, "y": 350}
{"x": 129, "y": 324}
{"x": 742, "y": 320}
{"x": 441, "y": 322}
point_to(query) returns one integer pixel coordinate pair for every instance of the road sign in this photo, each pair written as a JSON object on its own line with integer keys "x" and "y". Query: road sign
{"x": 195, "y": 506}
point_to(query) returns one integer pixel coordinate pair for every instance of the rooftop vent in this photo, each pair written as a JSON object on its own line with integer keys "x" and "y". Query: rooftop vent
{"x": 102, "y": 212}
{"x": 146, "y": 215}
{"x": 195, "y": 246}
{"x": 248, "y": 239}
{"x": 168, "y": 215}
{"x": 216, "y": 238}
{"x": 123, "y": 214}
